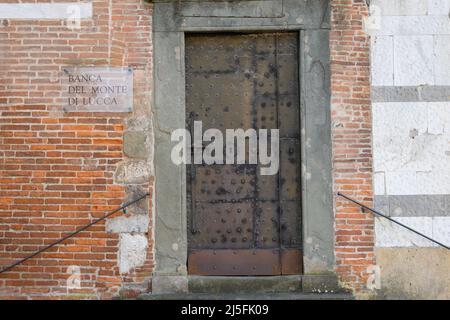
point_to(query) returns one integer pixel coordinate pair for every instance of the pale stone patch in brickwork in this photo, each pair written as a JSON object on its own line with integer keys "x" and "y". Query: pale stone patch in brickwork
{"x": 135, "y": 223}
{"x": 132, "y": 251}
{"x": 44, "y": 10}
{"x": 389, "y": 234}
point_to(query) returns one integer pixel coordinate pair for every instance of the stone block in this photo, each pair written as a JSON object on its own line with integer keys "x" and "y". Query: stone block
{"x": 439, "y": 7}
{"x": 414, "y": 273}
{"x": 399, "y": 7}
{"x": 441, "y": 229}
{"x": 381, "y": 203}
{"x": 135, "y": 144}
{"x": 133, "y": 172}
{"x": 249, "y": 9}
{"x": 169, "y": 284}
{"x": 382, "y": 61}
{"x": 131, "y": 224}
{"x": 434, "y": 182}
{"x": 434, "y": 93}
{"x": 389, "y": 234}
{"x": 399, "y": 134}
{"x": 441, "y": 59}
{"x": 417, "y": 205}
{"x": 320, "y": 284}
{"x": 134, "y": 192}
{"x": 132, "y": 251}
{"x": 39, "y": 11}
{"x": 439, "y": 118}
{"x": 413, "y": 25}
{"x": 379, "y": 183}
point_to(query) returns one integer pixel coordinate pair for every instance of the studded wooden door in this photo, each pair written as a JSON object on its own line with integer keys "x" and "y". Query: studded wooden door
{"x": 239, "y": 221}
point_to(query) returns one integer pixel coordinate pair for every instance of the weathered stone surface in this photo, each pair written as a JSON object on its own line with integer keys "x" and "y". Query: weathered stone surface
{"x": 132, "y": 251}
{"x": 413, "y": 25}
{"x": 142, "y": 95}
{"x": 392, "y": 125}
{"x": 169, "y": 284}
{"x": 410, "y": 142}
{"x": 410, "y": 93}
{"x": 169, "y": 110}
{"x": 317, "y": 196}
{"x": 37, "y": 11}
{"x": 381, "y": 204}
{"x": 441, "y": 229}
{"x": 139, "y": 123}
{"x": 413, "y": 60}
{"x": 394, "y": 94}
{"x": 442, "y": 59}
{"x": 414, "y": 273}
{"x": 135, "y": 144}
{"x": 174, "y": 16}
{"x": 134, "y": 192}
{"x": 132, "y": 172}
{"x": 434, "y": 182}
{"x": 123, "y": 224}
{"x": 379, "y": 183}
{"x": 439, "y": 7}
{"x": 242, "y": 9}
{"x": 327, "y": 283}
{"x": 237, "y": 285}
{"x": 382, "y": 55}
{"x": 389, "y": 234}
{"x": 435, "y": 93}
{"x": 417, "y": 205}
{"x": 400, "y": 7}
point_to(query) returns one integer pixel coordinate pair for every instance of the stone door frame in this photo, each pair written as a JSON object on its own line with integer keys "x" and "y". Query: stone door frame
{"x": 171, "y": 20}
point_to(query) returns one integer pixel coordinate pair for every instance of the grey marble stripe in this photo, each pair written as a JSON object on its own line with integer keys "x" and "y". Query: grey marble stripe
{"x": 411, "y": 94}
{"x": 413, "y": 205}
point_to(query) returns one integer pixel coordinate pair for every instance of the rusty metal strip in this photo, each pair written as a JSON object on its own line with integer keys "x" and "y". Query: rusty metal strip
{"x": 291, "y": 262}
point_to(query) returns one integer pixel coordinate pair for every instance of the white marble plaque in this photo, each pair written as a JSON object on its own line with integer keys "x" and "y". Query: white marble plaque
{"x": 97, "y": 89}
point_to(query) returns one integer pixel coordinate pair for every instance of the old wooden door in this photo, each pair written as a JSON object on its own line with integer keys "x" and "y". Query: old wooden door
{"x": 239, "y": 221}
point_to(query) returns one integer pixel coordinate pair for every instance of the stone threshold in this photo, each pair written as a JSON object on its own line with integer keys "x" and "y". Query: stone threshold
{"x": 300, "y": 286}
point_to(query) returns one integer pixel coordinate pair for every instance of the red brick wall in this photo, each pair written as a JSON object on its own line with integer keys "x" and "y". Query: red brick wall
{"x": 352, "y": 144}
{"x": 57, "y": 169}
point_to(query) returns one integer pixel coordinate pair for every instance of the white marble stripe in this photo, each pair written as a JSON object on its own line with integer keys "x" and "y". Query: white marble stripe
{"x": 43, "y": 11}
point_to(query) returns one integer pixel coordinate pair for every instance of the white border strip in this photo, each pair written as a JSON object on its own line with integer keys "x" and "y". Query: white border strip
{"x": 46, "y": 10}
{"x": 391, "y": 235}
